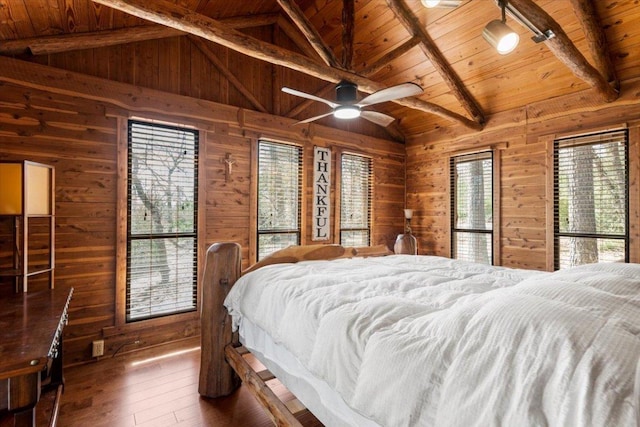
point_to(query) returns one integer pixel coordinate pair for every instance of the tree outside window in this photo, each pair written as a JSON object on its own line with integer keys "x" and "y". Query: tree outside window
{"x": 591, "y": 199}
{"x": 472, "y": 207}
{"x": 161, "y": 220}
{"x": 279, "y": 196}
{"x": 355, "y": 200}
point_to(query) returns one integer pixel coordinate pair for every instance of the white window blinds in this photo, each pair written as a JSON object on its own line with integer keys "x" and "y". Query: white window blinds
{"x": 472, "y": 207}
{"x": 279, "y": 196}
{"x": 591, "y": 199}
{"x": 355, "y": 200}
{"x": 162, "y": 220}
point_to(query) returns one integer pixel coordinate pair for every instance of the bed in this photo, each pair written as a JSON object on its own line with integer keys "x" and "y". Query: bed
{"x": 405, "y": 340}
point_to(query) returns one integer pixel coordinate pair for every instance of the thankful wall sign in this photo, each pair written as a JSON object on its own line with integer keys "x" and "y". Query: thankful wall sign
{"x": 321, "y": 193}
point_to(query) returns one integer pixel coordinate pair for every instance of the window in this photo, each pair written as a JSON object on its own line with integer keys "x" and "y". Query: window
{"x": 161, "y": 220}
{"x": 355, "y": 200}
{"x": 472, "y": 207}
{"x": 591, "y": 199}
{"x": 279, "y": 196}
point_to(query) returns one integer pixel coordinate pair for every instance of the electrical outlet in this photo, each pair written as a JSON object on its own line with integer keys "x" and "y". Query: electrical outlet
{"x": 97, "y": 349}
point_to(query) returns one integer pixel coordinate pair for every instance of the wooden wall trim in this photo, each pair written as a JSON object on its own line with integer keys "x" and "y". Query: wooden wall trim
{"x": 121, "y": 223}
{"x": 497, "y": 210}
{"x": 547, "y": 140}
{"x": 337, "y": 190}
{"x": 494, "y": 147}
{"x": 203, "y": 178}
{"x": 634, "y": 193}
{"x": 591, "y": 129}
{"x": 253, "y": 203}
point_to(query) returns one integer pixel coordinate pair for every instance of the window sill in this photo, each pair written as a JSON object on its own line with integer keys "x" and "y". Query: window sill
{"x": 124, "y": 328}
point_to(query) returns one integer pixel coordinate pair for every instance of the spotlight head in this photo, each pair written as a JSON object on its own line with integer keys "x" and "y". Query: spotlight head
{"x": 500, "y": 36}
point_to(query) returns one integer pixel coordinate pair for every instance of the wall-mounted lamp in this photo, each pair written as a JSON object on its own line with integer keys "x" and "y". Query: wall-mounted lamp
{"x": 441, "y": 3}
{"x": 498, "y": 33}
{"x": 503, "y": 38}
{"x": 408, "y": 214}
{"x": 406, "y": 243}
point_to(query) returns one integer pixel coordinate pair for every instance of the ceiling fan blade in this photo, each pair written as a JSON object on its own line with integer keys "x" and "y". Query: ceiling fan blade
{"x": 309, "y": 96}
{"x": 314, "y": 118}
{"x": 394, "y": 92}
{"x": 377, "y": 118}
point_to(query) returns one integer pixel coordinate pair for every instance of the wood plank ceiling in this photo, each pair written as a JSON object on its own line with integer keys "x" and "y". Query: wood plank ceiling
{"x": 376, "y": 44}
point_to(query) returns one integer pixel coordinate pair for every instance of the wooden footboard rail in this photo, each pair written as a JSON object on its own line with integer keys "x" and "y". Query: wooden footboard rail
{"x": 222, "y": 269}
{"x": 221, "y": 363}
{"x": 256, "y": 383}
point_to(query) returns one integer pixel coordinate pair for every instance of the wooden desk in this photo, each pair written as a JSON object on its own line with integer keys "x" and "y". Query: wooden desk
{"x": 31, "y": 327}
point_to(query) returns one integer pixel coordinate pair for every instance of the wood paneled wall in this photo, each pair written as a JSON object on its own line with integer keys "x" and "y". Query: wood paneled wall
{"x": 177, "y": 65}
{"x": 71, "y": 120}
{"x": 523, "y": 134}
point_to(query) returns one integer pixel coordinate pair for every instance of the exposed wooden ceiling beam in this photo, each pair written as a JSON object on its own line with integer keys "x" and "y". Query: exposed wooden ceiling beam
{"x": 431, "y": 51}
{"x": 46, "y": 45}
{"x": 251, "y": 21}
{"x": 384, "y": 60}
{"x": 213, "y": 58}
{"x": 348, "y": 23}
{"x": 183, "y": 19}
{"x": 298, "y": 17}
{"x": 588, "y": 16}
{"x": 76, "y": 41}
{"x": 297, "y": 38}
{"x": 564, "y": 49}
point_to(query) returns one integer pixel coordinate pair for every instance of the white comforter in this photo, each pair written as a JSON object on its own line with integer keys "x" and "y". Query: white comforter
{"x": 428, "y": 341}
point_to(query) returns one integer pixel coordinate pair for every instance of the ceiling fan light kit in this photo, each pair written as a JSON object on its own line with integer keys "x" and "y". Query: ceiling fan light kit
{"x": 347, "y": 106}
{"x": 346, "y": 112}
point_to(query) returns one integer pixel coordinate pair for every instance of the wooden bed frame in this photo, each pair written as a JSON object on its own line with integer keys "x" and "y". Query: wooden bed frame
{"x": 222, "y": 365}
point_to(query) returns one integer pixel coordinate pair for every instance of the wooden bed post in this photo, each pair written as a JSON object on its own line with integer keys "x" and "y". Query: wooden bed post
{"x": 222, "y": 269}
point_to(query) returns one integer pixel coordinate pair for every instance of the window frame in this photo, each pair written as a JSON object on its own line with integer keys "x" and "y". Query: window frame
{"x": 120, "y": 322}
{"x": 496, "y": 153}
{"x": 253, "y": 216}
{"x": 338, "y": 208}
{"x": 553, "y": 233}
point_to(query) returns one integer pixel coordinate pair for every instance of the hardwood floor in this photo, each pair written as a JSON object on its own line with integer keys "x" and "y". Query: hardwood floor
{"x": 156, "y": 388}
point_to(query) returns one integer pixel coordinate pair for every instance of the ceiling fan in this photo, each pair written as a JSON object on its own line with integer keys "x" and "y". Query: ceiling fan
{"x": 347, "y": 107}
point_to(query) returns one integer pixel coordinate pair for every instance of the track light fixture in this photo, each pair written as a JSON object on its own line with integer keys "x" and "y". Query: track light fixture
{"x": 539, "y": 35}
{"x": 498, "y": 33}
{"x": 441, "y": 3}
{"x": 500, "y": 36}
